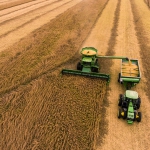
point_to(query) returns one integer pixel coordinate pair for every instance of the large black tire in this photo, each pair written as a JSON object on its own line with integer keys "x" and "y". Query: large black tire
{"x": 119, "y": 75}
{"x": 95, "y": 69}
{"x": 138, "y": 103}
{"x": 119, "y": 113}
{"x": 134, "y": 116}
{"x": 139, "y": 117}
{"x": 120, "y": 100}
{"x": 79, "y": 66}
{"x": 125, "y": 114}
{"x": 125, "y": 104}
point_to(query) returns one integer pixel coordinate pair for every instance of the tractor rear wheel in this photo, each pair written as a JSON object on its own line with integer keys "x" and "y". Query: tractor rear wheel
{"x": 138, "y": 103}
{"x": 79, "y": 66}
{"x": 134, "y": 116}
{"x": 139, "y": 117}
{"x": 119, "y": 113}
{"x": 120, "y": 100}
{"x": 125, "y": 114}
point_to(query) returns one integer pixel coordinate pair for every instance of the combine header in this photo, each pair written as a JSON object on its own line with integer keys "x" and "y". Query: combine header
{"x": 88, "y": 65}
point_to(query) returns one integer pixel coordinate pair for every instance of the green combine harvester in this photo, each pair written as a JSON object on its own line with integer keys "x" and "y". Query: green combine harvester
{"x": 129, "y": 102}
{"x": 88, "y": 65}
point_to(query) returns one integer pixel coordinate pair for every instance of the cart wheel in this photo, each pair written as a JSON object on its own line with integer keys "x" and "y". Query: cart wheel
{"x": 119, "y": 113}
{"x": 139, "y": 117}
{"x": 119, "y": 77}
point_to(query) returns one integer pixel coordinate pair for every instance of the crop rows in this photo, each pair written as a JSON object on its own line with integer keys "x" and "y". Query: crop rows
{"x": 63, "y": 115}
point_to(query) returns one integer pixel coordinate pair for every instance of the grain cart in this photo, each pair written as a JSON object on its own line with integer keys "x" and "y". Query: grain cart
{"x": 130, "y": 101}
{"x": 129, "y": 104}
{"x": 88, "y": 65}
{"x": 130, "y": 73}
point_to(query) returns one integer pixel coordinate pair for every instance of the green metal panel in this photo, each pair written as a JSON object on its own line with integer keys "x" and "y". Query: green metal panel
{"x": 86, "y": 69}
{"x": 87, "y": 59}
{"x": 130, "y": 114}
{"x": 113, "y": 57}
{"x": 129, "y": 121}
{"x": 130, "y": 79}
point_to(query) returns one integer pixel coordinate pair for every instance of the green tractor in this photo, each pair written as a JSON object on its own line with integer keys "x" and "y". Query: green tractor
{"x": 129, "y": 104}
{"x": 88, "y": 65}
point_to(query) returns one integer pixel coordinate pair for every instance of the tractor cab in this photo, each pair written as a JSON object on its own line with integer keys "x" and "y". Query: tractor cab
{"x": 131, "y": 94}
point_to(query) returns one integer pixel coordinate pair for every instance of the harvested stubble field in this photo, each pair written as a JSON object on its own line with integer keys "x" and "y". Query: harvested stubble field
{"x": 8, "y": 4}
{"x": 39, "y": 109}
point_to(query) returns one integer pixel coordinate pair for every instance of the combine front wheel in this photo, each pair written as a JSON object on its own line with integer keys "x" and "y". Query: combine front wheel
{"x": 79, "y": 66}
{"x": 95, "y": 70}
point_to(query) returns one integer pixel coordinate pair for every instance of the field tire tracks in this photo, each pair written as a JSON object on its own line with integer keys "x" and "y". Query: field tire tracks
{"x": 28, "y": 22}
{"x": 35, "y": 10}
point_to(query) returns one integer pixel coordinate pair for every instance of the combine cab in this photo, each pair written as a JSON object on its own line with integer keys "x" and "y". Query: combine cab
{"x": 88, "y": 65}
